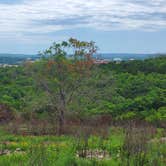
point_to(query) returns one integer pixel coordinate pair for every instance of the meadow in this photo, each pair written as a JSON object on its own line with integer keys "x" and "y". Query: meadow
{"x": 141, "y": 146}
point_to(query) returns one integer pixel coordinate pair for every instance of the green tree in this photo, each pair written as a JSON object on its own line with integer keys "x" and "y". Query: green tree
{"x": 60, "y": 75}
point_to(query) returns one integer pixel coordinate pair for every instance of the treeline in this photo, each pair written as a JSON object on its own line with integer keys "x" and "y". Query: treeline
{"x": 151, "y": 65}
{"x": 129, "y": 90}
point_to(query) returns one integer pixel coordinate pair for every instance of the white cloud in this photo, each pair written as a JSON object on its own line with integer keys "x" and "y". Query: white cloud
{"x": 45, "y": 16}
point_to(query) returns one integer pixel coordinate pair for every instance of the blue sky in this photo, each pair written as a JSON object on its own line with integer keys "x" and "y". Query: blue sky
{"x": 128, "y": 26}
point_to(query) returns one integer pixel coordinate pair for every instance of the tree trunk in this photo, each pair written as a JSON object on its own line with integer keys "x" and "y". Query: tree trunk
{"x": 62, "y": 111}
{"x": 61, "y": 122}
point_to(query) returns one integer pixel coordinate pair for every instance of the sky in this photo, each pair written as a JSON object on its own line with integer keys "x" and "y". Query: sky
{"x": 117, "y": 26}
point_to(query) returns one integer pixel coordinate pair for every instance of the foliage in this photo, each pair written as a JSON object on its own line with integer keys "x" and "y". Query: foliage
{"x": 124, "y": 148}
{"x": 130, "y": 89}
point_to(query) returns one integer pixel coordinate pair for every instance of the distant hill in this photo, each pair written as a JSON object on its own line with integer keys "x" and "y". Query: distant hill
{"x": 16, "y": 55}
{"x": 15, "y": 58}
{"x": 19, "y": 58}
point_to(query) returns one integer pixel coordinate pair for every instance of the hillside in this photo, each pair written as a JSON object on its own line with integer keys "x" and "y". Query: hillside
{"x": 131, "y": 87}
{"x": 13, "y": 59}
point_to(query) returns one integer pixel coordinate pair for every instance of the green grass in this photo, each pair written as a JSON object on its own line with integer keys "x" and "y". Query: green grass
{"x": 62, "y": 150}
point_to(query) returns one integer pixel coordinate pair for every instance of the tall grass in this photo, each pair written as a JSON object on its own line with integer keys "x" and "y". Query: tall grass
{"x": 129, "y": 146}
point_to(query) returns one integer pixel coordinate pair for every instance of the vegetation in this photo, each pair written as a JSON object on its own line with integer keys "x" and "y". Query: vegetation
{"x": 60, "y": 78}
{"x": 116, "y": 149}
{"x": 65, "y": 110}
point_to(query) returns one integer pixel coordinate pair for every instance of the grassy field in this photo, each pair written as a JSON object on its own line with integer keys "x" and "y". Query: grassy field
{"x": 119, "y": 148}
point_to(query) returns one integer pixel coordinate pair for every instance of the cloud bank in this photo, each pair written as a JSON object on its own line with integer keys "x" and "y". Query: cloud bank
{"x": 30, "y": 20}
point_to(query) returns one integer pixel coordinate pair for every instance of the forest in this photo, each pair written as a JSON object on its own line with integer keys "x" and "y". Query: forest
{"x": 75, "y": 112}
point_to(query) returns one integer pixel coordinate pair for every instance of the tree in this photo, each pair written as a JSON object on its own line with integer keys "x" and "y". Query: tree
{"x": 64, "y": 68}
